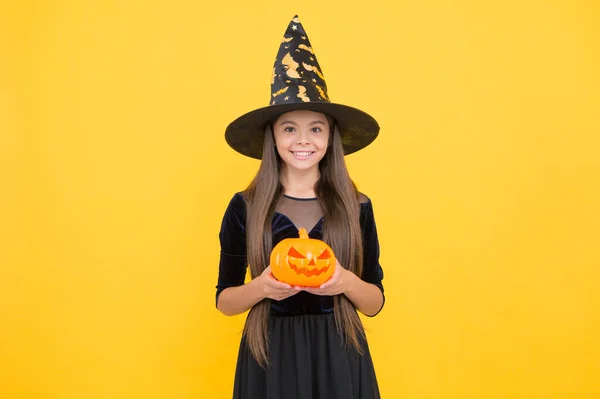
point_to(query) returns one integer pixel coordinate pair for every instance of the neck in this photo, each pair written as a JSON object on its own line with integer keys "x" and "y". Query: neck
{"x": 299, "y": 183}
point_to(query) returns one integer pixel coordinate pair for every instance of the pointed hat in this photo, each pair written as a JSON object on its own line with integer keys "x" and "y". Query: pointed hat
{"x": 298, "y": 83}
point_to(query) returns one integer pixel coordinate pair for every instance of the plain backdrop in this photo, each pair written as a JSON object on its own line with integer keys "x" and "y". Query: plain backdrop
{"x": 115, "y": 175}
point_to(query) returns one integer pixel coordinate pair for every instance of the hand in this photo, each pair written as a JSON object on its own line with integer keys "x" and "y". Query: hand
{"x": 274, "y": 289}
{"x": 339, "y": 283}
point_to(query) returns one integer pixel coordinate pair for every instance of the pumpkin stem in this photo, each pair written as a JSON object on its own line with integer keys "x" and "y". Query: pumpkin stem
{"x": 303, "y": 233}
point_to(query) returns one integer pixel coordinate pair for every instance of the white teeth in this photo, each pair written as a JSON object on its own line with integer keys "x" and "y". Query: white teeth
{"x": 302, "y": 154}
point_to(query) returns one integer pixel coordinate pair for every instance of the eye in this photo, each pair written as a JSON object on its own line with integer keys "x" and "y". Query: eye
{"x": 288, "y": 129}
{"x": 324, "y": 255}
{"x": 316, "y": 129}
{"x": 295, "y": 254}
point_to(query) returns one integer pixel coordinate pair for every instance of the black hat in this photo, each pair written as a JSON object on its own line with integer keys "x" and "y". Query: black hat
{"x": 298, "y": 84}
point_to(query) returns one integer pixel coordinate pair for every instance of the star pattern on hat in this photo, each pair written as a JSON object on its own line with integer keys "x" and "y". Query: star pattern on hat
{"x": 297, "y": 72}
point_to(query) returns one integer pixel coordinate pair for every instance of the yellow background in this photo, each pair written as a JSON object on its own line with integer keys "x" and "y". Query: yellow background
{"x": 115, "y": 175}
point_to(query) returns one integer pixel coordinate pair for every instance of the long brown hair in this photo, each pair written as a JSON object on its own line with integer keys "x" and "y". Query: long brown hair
{"x": 338, "y": 197}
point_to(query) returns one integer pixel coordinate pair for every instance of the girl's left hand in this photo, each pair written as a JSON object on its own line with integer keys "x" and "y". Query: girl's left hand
{"x": 339, "y": 283}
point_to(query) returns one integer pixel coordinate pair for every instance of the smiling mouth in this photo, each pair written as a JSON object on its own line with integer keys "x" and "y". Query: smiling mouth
{"x": 302, "y": 154}
{"x": 308, "y": 272}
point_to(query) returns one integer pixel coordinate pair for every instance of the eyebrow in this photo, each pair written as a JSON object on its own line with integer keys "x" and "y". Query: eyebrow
{"x": 294, "y": 123}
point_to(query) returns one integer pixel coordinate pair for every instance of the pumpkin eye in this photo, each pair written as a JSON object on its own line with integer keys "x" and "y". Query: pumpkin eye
{"x": 324, "y": 255}
{"x": 294, "y": 253}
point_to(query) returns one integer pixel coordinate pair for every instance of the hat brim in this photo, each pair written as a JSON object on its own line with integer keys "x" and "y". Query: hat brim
{"x": 246, "y": 134}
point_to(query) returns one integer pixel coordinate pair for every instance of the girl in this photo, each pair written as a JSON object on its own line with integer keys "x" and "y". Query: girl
{"x": 301, "y": 342}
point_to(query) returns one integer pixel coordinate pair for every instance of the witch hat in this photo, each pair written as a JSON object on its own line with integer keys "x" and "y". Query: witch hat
{"x": 298, "y": 84}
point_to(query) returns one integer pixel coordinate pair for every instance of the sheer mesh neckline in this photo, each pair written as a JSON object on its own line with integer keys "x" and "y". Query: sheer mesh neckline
{"x": 302, "y": 212}
{"x": 300, "y": 199}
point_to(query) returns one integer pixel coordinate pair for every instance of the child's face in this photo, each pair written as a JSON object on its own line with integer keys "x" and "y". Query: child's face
{"x": 301, "y": 138}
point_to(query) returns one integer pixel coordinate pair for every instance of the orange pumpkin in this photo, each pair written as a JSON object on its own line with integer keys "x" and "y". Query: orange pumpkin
{"x": 303, "y": 261}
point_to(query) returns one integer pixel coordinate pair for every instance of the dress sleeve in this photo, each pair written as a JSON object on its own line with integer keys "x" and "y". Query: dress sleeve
{"x": 232, "y": 237}
{"x": 372, "y": 270}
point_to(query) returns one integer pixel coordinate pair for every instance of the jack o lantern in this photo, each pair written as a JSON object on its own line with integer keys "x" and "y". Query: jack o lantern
{"x": 303, "y": 261}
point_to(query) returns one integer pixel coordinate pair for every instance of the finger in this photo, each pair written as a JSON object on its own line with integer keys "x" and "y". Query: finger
{"x": 334, "y": 277}
{"x": 271, "y": 279}
{"x": 273, "y": 282}
{"x": 279, "y": 285}
{"x": 329, "y": 282}
{"x": 285, "y": 295}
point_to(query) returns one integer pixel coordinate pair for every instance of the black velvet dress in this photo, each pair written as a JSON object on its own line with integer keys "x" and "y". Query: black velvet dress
{"x": 308, "y": 358}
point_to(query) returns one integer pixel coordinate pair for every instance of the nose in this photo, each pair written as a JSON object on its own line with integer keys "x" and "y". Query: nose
{"x": 303, "y": 138}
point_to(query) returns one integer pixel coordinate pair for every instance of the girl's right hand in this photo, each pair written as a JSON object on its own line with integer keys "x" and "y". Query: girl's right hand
{"x": 275, "y": 289}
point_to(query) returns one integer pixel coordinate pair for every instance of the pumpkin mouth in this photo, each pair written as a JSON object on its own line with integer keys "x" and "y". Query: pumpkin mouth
{"x": 315, "y": 271}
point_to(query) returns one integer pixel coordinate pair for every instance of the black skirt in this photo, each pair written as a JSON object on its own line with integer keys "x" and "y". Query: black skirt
{"x": 308, "y": 361}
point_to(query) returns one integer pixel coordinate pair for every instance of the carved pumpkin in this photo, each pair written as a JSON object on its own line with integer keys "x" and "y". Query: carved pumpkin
{"x": 303, "y": 261}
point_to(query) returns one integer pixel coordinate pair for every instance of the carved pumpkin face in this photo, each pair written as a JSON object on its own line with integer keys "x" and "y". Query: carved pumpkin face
{"x": 302, "y": 261}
